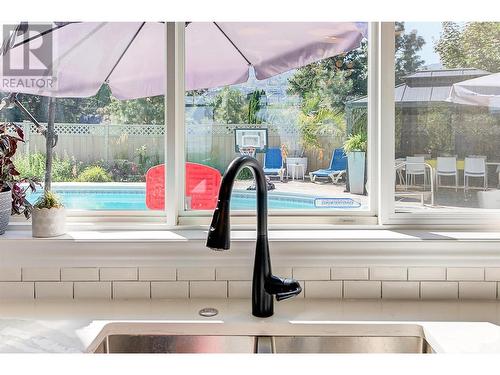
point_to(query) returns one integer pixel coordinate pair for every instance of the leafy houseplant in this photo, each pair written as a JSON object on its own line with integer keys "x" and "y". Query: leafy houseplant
{"x": 355, "y": 147}
{"x": 49, "y": 216}
{"x": 13, "y": 187}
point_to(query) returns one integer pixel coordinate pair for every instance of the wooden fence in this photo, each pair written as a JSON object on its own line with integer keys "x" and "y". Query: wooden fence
{"x": 211, "y": 144}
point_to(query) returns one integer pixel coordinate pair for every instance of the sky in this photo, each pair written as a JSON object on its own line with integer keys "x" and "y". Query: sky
{"x": 430, "y": 32}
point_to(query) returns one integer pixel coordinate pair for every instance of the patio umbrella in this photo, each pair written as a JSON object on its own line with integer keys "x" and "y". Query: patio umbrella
{"x": 482, "y": 91}
{"x": 79, "y": 57}
{"x": 130, "y": 57}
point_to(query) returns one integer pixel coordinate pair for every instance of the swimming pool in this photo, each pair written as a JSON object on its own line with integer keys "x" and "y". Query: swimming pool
{"x": 134, "y": 199}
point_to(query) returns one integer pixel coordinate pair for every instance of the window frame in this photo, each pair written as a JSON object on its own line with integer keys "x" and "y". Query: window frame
{"x": 191, "y": 217}
{"x": 388, "y": 214}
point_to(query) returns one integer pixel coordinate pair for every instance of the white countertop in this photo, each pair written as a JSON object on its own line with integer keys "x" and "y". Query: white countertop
{"x": 71, "y": 326}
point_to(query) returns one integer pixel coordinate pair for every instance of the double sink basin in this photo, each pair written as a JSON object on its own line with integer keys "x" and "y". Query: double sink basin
{"x": 340, "y": 338}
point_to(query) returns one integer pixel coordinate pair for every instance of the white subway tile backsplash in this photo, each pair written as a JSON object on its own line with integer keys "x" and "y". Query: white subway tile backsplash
{"x": 388, "y": 282}
{"x": 131, "y": 289}
{"x": 41, "y": 274}
{"x": 438, "y": 290}
{"x": 311, "y": 273}
{"x": 196, "y": 273}
{"x": 208, "y": 289}
{"x": 118, "y": 274}
{"x": 17, "y": 290}
{"x": 477, "y": 290}
{"x": 92, "y": 289}
{"x": 51, "y": 289}
{"x": 80, "y": 274}
{"x": 349, "y": 273}
{"x": 234, "y": 273}
{"x": 427, "y": 273}
{"x": 322, "y": 289}
{"x": 157, "y": 273}
{"x": 492, "y": 273}
{"x": 400, "y": 290}
{"x": 240, "y": 289}
{"x": 362, "y": 289}
{"x": 169, "y": 289}
{"x": 10, "y": 274}
{"x": 388, "y": 273}
{"x": 465, "y": 274}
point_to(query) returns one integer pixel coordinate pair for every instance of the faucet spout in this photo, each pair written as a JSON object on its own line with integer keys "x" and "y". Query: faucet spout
{"x": 264, "y": 284}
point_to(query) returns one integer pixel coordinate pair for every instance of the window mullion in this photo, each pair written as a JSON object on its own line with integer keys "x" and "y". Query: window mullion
{"x": 386, "y": 121}
{"x": 373, "y": 116}
{"x": 174, "y": 143}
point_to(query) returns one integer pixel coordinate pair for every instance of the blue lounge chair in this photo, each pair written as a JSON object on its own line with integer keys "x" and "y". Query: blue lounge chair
{"x": 273, "y": 163}
{"x": 337, "y": 169}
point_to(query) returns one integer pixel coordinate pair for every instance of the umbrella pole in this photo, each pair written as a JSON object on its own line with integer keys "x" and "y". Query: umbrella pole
{"x": 50, "y": 141}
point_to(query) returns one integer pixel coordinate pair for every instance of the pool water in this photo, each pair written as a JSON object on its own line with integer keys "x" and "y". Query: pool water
{"x": 134, "y": 199}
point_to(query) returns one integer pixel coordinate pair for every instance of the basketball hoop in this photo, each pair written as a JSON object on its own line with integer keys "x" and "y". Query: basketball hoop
{"x": 247, "y": 150}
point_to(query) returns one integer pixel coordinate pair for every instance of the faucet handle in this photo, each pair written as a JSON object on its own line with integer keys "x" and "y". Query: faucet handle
{"x": 283, "y": 288}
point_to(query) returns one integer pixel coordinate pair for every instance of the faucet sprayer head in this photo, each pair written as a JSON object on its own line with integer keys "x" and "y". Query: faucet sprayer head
{"x": 219, "y": 237}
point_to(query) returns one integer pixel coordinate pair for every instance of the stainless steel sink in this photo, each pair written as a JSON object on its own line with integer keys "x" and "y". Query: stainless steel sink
{"x": 351, "y": 344}
{"x": 262, "y": 344}
{"x": 296, "y": 337}
{"x": 176, "y": 344}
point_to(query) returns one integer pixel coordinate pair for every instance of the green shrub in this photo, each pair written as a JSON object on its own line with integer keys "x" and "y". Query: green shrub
{"x": 64, "y": 169}
{"x": 31, "y": 165}
{"x": 94, "y": 173}
{"x": 48, "y": 200}
{"x": 245, "y": 174}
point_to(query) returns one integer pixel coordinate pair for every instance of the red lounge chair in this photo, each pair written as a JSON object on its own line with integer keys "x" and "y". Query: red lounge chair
{"x": 202, "y": 186}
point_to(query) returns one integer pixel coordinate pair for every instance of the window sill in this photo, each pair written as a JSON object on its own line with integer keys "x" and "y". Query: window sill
{"x": 187, "y": 234}
{"x": 186, "y": 246}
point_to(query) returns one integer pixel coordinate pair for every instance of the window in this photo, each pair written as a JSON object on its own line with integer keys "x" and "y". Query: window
{"x": 109, "y": 154}
{"x": 105, "y": 148}
{"x": 447, "y": 155}
{"x": 295, "y": 123}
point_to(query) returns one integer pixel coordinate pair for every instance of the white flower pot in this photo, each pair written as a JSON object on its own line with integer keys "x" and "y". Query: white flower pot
{"x": 48, "y": 222}
{"x": 5, "y": 209}
{"x": 356, "y": 170}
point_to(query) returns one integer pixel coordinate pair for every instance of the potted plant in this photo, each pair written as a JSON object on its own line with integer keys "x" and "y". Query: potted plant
{"x": 49, "y": 216}
{"x": 355, "y": 148}
{"x": 13, "y": 187}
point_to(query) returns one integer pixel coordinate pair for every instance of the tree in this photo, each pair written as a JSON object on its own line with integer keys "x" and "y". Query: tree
{"x": 68, "y": 109}
{"x": 325, "y": 87}
{"x": 407, "y": 46}
{"x": 475, "y": 45}
{"x": 149, "y": 110}
{"x": 229, "y": 106}
{"x": 317, "y": 76}
{"x": 254, "y": 105}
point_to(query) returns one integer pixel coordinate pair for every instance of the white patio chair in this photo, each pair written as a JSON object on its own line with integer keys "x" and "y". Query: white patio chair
{"x": 414, "y": 167}
{"x": 475, "y": 167}
{"x": 446, "y": 166}
{"x": 425, "y": 156}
